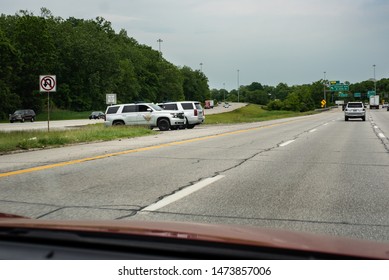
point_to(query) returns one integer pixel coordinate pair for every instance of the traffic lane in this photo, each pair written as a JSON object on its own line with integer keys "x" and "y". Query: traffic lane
{"x": 303, "y": 186}
{"x": 42, "y": 125}
{"x": 137, "y": 179}
{"x": 221, "y": 109}
{"x": 30, "y": 159}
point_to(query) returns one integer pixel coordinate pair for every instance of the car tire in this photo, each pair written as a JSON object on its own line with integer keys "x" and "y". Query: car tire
{"x": 364, "y": 119}
{"x": 346, "y": 119}
{"x": 11, "y": 121}
{"x": 22, "y": 120}
{"x": 163, "y": 124}
{"x": 32, "y": 119}
{"x": 118, "y": 123}
{"x": 190, "y": 126}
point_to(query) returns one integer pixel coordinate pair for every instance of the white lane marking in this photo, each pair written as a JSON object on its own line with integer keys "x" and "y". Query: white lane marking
{"x": 375, "y": 126}
{"x": 286, "y": 143}
{"x": 325, "y": 124}
{"x": 381, "y": 135}
{"x": 313, "y": 130}
{"x": 181, "y": 194}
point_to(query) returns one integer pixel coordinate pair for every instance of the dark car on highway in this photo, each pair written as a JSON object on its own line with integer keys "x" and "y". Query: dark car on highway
{"x": 96, "y": 115}
{"x": 22, "y": 115}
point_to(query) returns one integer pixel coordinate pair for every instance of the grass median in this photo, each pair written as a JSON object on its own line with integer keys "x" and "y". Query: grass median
{"x": 251, "y": 113}
{"x": 25, "y": 140}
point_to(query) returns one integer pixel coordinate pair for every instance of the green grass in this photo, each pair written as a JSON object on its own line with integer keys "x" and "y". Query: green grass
{"x": 251, "y": 113}
{"x": 24, "y": 140}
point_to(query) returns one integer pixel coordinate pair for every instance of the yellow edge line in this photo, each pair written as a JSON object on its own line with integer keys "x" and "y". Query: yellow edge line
{"x": 65, "y": 163}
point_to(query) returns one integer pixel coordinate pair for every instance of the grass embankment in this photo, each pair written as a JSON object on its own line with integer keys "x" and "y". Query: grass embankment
{"x": 17, "y": 140}
{"x": 251, "y": 113}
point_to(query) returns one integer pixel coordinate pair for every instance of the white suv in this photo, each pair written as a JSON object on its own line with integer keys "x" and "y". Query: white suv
{"x": 354, "y": 110}
{"x": 144, "y": 114}
{"x": 194, "y": 113}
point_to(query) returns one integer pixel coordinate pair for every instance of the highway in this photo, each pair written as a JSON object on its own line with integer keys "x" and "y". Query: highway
{"x": 315, "y": 174}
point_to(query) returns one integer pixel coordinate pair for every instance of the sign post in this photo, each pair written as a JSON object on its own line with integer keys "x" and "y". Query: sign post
{"x": 47, "y": 83}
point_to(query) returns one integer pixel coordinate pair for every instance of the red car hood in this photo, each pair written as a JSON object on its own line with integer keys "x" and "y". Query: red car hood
{"x": 229, "y": 234}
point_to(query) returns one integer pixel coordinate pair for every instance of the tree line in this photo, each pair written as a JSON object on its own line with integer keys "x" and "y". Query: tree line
{"x": 89, "y": 60}
{"x": 299, "y": 97}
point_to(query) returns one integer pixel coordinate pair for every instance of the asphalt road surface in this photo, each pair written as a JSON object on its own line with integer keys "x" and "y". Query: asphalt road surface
{"x": 315, "y": 174}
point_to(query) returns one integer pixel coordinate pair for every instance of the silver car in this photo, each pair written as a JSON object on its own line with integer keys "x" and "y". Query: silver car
{"x": 355, "y": 110}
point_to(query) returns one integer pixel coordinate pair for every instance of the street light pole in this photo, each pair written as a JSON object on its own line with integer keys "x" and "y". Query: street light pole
{"x": 238, "y": 85}
{"x": 375, "y": 82}
{"x": 224, "y": 92}
{"x": 324, "y": 89}
{"x": 201, "y": 67}
{"x": 159, "y": 44}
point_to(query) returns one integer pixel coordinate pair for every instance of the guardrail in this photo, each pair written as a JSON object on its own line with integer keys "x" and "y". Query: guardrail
{"x": 326, "y": 109}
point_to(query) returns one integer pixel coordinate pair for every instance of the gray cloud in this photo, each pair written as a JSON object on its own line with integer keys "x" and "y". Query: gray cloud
{"x": 292, "y": 41}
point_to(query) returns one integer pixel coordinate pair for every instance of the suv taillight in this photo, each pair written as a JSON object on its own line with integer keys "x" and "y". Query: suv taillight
{"x": 195, "y": 112}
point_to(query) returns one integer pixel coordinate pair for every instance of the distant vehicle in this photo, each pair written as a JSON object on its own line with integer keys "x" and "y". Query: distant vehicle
{"x": 144, "y": 114}
{"x": 226, "y": 105}
{"x": 354, "y": 110}
{"x": 96, "y": 115}
{"x": 209, "y": 104}
{"x": 385, "y": 105}
{"x": 375, "y": 102}
{"x": 22, "y": 115}
{"x": 194, "y": 113}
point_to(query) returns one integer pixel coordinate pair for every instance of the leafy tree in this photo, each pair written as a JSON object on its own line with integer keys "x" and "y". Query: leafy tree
{"x": 195, "y": 84}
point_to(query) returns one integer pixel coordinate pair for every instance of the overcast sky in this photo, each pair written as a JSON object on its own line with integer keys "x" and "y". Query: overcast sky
{"x": 269, "y": 41}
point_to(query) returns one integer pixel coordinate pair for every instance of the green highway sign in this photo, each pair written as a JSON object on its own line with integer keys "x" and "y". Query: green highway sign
{"x": 341, "y": 94}
{"x": 339, "y": 87}
{"x": 370, "y": 93}
{"x": 357, "y": 94}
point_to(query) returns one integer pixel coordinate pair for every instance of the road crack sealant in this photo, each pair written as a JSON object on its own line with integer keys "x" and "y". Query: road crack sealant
{"x": 220, "y": 172}
{"x": 380, "y": 134}
{"x": 119, "y": 208}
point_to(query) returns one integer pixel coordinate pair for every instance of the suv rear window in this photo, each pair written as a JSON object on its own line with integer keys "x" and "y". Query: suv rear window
{"x": 187, "y": 106}
{"x": 112, "y": 110}
{"x": 354, "y": 105}
{"x": 198, "y": 106}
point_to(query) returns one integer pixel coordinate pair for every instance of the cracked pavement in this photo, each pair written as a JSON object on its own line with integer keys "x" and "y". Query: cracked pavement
{"x": 310, "y": 173}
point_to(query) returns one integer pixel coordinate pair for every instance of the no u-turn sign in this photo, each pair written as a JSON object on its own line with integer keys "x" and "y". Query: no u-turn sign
{"x": 47, "y": 83}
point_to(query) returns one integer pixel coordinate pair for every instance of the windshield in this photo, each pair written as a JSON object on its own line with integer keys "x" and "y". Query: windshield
{"x": 155, "y": 107}
{"x": 262, "y": 137}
